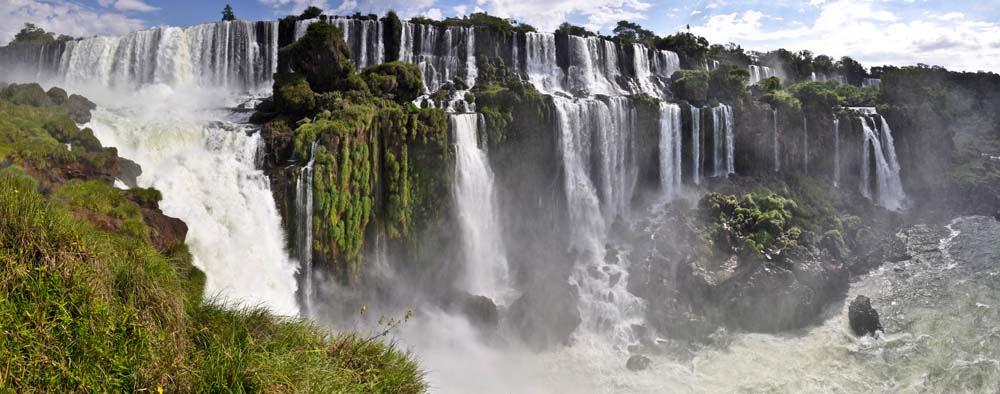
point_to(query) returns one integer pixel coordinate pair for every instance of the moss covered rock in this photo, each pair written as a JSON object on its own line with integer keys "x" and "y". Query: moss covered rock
{"x": 321, "y": 56}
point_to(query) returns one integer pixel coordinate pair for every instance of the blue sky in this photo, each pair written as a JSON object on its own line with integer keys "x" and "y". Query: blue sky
{"x": 957, "y": 35}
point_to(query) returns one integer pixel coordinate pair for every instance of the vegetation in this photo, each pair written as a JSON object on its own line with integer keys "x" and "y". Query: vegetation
{"x": 574, "y": 30}
{"x": 630, "y": 32}
{"x": 690, "y": 48}
{"x": 479, "y": 19}
{"x": 227, "y": 13}
{"x": 755, "y": 223}
{"x": 31, "y": 34}
{"x": 91, "y": 303}
{"x": 378, "y": 158}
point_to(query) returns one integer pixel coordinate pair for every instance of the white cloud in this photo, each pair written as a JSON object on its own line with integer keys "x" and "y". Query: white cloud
{"x": 405, "y": 8}
{"x": 62, "y": 17}
{"x": 547, "y": 15}
{"x": 296, "y": 6}
{"x": 134, "y": 5}
{"x": 869, "y": 33}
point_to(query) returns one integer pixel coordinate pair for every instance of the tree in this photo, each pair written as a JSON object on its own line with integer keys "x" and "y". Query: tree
{"x": 227, "y": 13}
{"x": 574, "y": 30}
{"x": 632, "y": 32}
{"x": 31, "y": 34}
{"x": 311, "y": 13}
{"x": 852, "y": 70}
{"x": 690, "y": 48}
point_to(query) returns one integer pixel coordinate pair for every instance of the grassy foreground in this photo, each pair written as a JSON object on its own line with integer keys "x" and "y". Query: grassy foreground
{"x": 89, "y": 301}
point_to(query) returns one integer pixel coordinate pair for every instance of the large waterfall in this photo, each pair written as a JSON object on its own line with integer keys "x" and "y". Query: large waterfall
{"x": 696, "y": 142}
{"x": 486, "y": 271}
{"x": 878, "y": 141}
{"x": 670, "y": 149}
{"x": 757, "y": 73}
{"x": 159, "y": 92}
{"x": 304, "y": 231}
{"x": 775, "y": 141}
{"x": 600, "y": 132}
{"x": 723, "y": 148}
{"x": 836, "y": 151}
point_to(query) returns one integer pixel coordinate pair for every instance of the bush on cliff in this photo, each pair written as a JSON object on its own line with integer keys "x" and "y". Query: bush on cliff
{"x": 395, "y": 81}
{"x": 691, "y": 85}
{"x": 321, "y": 56}
{"x": 293, "y": 96}
{"x": 753, "y": 224}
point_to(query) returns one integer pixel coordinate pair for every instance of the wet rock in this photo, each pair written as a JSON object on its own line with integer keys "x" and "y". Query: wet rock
{"x": 996, "y": 215}
{"x": 128, "y": 172}
{"x": 546, "y": 314}
{"x": 614, "y": 278}
{"x": 481, "y": 311}
{"x": 637, "y": 362}
{"x": 863, "y": 318}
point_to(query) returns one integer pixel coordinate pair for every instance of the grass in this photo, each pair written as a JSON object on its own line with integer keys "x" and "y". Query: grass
{"x": 88, "y": 304}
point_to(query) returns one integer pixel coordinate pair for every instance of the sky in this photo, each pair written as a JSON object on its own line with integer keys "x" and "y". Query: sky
{"x": 959, "y": 35}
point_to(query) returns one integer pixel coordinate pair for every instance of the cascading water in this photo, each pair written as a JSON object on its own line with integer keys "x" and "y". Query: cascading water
{"x": 155, "y": 90}
{"x": 775, "y": 141}
{"x": 486, "y": 271}
{"x": 670, "y": 150}
{"x": 889, "y": 193}
{"x": 443, "y": 53}
{"x": 723, "y": 149}
{"x": 805, "y": 144}
{"x": 304, "y": 230}
{"x": 758, "y": 73}
{"x": 363, "y": 36}
{"x": 594, "y": 200}
{"x": 696, "y": 145}
{"x": 836, "y": 151}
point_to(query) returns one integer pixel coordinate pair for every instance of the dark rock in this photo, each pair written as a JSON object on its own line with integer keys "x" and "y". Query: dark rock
{"x": 128, "y": 172}
{"x": 637, "y": 363}
{"x": 546, "y": 314}
{"x": 996, "y": 215}
{"x": 481, "y": 311}
{"x": 863, "y": 318}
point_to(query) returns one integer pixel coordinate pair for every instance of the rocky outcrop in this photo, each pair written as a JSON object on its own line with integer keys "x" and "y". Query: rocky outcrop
{"x": 863, "y": 318}
{"x": 637, "y": 362}
{"x": 546, "y": 314}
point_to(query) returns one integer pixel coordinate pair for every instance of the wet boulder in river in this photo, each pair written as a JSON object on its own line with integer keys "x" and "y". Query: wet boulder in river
{"x": 863, "y": 318}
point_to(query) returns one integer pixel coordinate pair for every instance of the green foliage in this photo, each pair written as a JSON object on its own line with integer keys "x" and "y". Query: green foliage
{"x": 397, "y": 81}
{"x": 311, "y": 12}
{"x": 292, "y": 95}
{"x": 691, "y": 85}
{"x": 227, "y": 13}
{"x": 87, "y": 309}
{"x": 853, "y": 71}
{"x": 574, "y": 30}
{"x": 322, "y": 57}
{"x": 31, "y": 34}
{"x": 727, "y": 82}
{"x": 817, "y": 96}
{"x": 691, "y": 49}
{"x": 758, "y": 224}
{"x": 630, "y": 32}
{"x": 90, "y": 305}
{"x": 729, "y": 53}
{"x": 28, "y": 94}
{"x": 499, "y": 95}
{"x": 486, "y": 20}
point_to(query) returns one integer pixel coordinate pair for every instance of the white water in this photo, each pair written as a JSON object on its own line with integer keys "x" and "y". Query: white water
{"x": 670, "y": 150}
{"x": 304, "y": 230}
{"x": 157, "y": 92}
{"x": 805, "y": 144}
{"x": 776, "y": 141}
{"x": 594, "y": 201}
{"x": 723, "y": 149}
{"x": 364, "y": 37}
{"x": 836, "y": 151}
{"x": 696, "y": 145}
{"x": 758, "y": 73}
{"x": 889, "y": 193}
{"x": 486, "y": 271}
{"x": 209, "y": 178}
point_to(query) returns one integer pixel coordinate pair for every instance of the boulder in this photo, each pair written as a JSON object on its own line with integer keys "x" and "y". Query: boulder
{"x": 546, "y": 314}
{"x": 128, "y": 172}
{"x": 480, "y": 310}
{"x": 863, "y": 318}
{"x": 637, "y": 362}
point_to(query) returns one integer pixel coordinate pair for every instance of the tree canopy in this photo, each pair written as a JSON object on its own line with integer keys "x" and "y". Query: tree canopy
{"x": 227, "y": 13}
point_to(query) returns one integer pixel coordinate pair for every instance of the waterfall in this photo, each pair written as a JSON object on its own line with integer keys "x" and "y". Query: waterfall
{"x": 443, "y": 53}
{"x": 836, "y": 151}
{"x": 696, "y": 145}
{"x": 486, "y": 271}
{"x": 889, "y": 193}
{"x": 723, "y": 144}
{"x": 759, "y": 73}
{"x": 599, "y": 132}
{"x": 542, "y": 70}
{"x": 236, "y": 55}
{"x": 304, "y": 230}
{"x": 670, "y": 150}
{"x": 775, "y": 141}
{"x": 805, "y": 144}
{"x": 208, "y": 173}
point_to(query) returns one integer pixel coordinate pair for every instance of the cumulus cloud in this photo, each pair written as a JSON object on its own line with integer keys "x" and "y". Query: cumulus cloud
{"x": 547, "y": 15}
{"x": 62, "y": 17}
{"x": 869, "y": 33}
{"x": 296, "y": 6}
{"x": 128, "y": 5}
